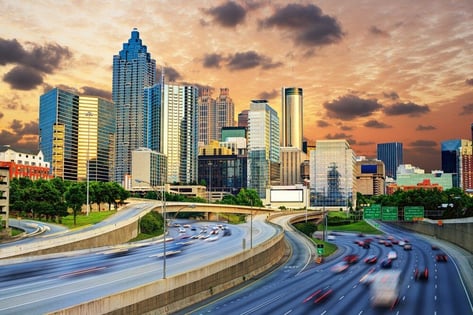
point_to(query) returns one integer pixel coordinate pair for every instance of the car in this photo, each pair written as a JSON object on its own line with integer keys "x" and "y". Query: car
{"x": 395, "y": 241}
{"x": 434, "y": 247}
{"x": 368, "y": 277}
{"x": 392, "y": 255}
{"x": 388, "y": 244}
{"x": 407, "y": 247}
{"x": 366, "y": 245}
{"x": 227, "y": 232}
{"x": 386, "y": 263}
{"x": 182, "y": 230}
{"x": 351, "y": 259}
{"x": 331, "y": 237}
{"x": 441, "y": 257}
{"x": 319, "y": 295}
{"x": 421, "y": 273}
{"x": 340, "y": 267}
{"x": 211, "y": 239}
{"x": 372, "y": 259}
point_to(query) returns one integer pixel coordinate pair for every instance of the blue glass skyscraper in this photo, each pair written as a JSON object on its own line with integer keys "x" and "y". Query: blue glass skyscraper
{"x": 392, "y": 155}
{"x": 133, "y": 70}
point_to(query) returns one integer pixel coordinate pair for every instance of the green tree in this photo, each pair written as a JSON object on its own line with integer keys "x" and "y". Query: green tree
{"x": 76, "y": 197}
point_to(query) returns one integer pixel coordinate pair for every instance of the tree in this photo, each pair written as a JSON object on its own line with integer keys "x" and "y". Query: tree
{"x": 76, "y": 197}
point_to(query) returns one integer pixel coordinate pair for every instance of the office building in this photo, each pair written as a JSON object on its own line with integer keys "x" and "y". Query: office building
{"x": 332, "y": 178}
{"x": 391, "y": 154}
{"x": 4, "y": 195}
{"x": 148, "y": 168}
{"x": 243, "y": 118}
{"x": 180, "y": 132}
{"x": 263, "y": 147}
{"x": 153, "y": 98}
{"x": 133, "y": 70}
{"x": 370, "y": 177}
{"x": 292, "y": 118}
{"x": 214, "y": 114}
{"x": 457, "y": 160}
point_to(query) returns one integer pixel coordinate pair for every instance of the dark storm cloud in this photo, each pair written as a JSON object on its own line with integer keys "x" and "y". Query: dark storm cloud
{"x": 212, "y": 60}
{"x": 23, "y": 78}
{"x": 467, "y": 109}
{"x": 29, "y": 128}
{"x": 170, "y": 74}
{"x": 250, "y": 59}
{"x": 391, "y": 95}
{"x": 350, "y": 107}
{"x": 469, "y": 81}
{"x": 229, "y": 14}
{"x": 423, "y": 144}
{"x": 31, "y": 63}
{"x": 409, "y": 109}
{"x": 24, "y": 136}
{"x": 378, "y": 32}
{"x": 376, "y": 124}
{"x": 91, "y": 91}
{"x": 322, "y": 123}
{"x": 268, "y": 95}
{"x": 425, "y": 128}
{"x": 308, "y": 24}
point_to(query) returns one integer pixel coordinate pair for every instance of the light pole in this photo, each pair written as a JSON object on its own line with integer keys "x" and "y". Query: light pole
{"x": 251, "y": 224}
{"x": 89, "y": 115}
{"x": 210, "y": 180}
{"x": 163, "y": 207}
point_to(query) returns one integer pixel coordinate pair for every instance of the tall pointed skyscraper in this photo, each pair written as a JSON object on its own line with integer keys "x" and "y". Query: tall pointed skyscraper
{"x": 292, "y": 117}
{"x": 133, "y": 70}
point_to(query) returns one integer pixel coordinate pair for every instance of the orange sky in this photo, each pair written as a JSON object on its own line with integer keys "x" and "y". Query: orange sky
{"x": 372, "y": 71}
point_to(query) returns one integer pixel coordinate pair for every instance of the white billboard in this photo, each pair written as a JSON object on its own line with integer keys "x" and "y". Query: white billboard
{"x": 287, "y": 195}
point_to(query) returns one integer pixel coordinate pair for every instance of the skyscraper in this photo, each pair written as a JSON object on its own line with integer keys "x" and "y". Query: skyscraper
{"x": 391, "y": 154}
{"x": 292, "y": 118}
{"x": 263, "y": 147}
{"x": 456, "y": 159}
{"x": 243, "y": 118}
{"x": 133, "y": 70}
{"x": 225, "y": 112}
{"x": 214, "y": 114}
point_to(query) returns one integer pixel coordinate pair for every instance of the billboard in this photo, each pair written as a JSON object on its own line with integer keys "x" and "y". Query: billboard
{"x": 369, "y": 169}
{"x": 287, "y": 195}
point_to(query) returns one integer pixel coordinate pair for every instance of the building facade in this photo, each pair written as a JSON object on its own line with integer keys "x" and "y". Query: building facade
{"x": 214, "y": 114}
{"x": 243, "y": 118}
{"x": 456, "y": 159}
{"x": 392, "y": 155}
{"x": 148, "y": 168}
{"x": 133, "y": 70}
{"x": 370, "y": 177}
{"x": 332, "y": 179}
{"x": 292, "y": 117}
{"x": 4, "y": 195}
{"x": 21, "y": 164}
{"x": 263, "y": 147}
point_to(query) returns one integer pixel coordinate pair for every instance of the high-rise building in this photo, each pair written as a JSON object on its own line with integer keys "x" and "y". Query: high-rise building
{"x": 391, "y": 154}
{"x": 456, "y": 159}
{"x": 292, "y": 118}
{"x": 225, "y": 112}
{"x": 133, "y": 70}
{"x": 370, "y": 177}
{"x": 243, "y": 118}
{"x": 263, "y": 147}
{"x": 180, "y": 132}
{"x": 332, "y": 178}
{"x": 76, "y": 135}
{"x": 153, "y": 98}
{"x": 148, "y": 168}
{"x": 214, "y": 114}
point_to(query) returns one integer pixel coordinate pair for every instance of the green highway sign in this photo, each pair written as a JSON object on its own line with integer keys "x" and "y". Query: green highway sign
{"x": 372, "y": 212}
{"x": 389, "y": 214}
{"x": 320, "y": 249}
{"x": 412, "y": 213}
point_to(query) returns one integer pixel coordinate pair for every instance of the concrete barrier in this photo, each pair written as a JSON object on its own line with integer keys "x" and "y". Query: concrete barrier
{"x": 174, "y": 293}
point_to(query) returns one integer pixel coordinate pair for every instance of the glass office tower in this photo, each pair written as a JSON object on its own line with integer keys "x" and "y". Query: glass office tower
{"x": 133, "y": 70}
{"x": 292, "y": 118}
{"x": 391, "y": 154}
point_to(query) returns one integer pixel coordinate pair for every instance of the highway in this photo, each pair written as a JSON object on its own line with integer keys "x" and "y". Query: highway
{"x": 53, "y": 282}
{"x": 299, "y": 288}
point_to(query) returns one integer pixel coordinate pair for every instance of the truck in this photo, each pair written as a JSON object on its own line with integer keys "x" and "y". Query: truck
{"x": 385, "y": 288}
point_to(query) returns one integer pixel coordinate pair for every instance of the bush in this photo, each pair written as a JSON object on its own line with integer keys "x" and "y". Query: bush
{"x": 307, "y": 228}
{"x": 152, "y": 223}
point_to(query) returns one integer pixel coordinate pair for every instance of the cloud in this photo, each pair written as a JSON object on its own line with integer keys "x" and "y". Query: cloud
{"x": 23, "y": 78}
{"x": 350, "y": 106}
{"x": 268, "y": 95}
{"x": 13, "y": 102}
{"x": 170, "y": 74}
{"x": 376, "y": 124}
{"x": 469, "y": 81}
{"x": 31, "y": 62}
{"x": 24, "y": 136}
{"x": 249, "y": 60}
{"x": 229, "y": 14}
{"x": 409, "y": 109}
{"x": 307, "y": 24}
{"x": 391, "y": 95}
{"x": 378, "y": 32}
{"x": 212, "y": 60}
{"x": 425, "y": 128}
{"x": 467, "y": 109}
{"x": 322, "y": 123}
{"x": 341, "y": 136}
{"x": 423, "y": 143}
{"x": 346, "y": 128}
{"x": 92, "y": 91}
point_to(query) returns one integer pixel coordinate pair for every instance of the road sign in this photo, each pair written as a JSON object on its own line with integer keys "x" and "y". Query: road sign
{"x": 372, "y": 212}
{"x": 320, "y": 249}
{"x": 413, "y": 212}
{"x": 389, "y": 213}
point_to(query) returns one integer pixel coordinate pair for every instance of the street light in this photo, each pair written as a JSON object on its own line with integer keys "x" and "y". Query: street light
{"x": 251, "y": 224}
{"x": 88, "y": 114}
{"x": 210, "y": 179}
{"x": 163, "y": 206}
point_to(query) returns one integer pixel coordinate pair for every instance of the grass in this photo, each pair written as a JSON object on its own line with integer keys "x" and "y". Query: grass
{"x": 329, "y": 248}
{"x": 83, "y": 220}
{"x": 360, "y": 227}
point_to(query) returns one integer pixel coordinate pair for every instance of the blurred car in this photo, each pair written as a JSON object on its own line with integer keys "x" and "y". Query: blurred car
{"x": 351, "y": 259}
{"x": 434, "y": 247}
{"x": 407, "y": 247}
{"x": 319, "y": 296}
{"x": 182, "y": 230}
{"x": 368, "y": 278}
{"x": 388, "y": 244}
{"x": 366, "y": 245}
{"x": 392, "y": 255}
{"x": 340, "y": 267}
{"x": 227, "y": 232}
{"x": 441, "y": 257}
{"x": 211, "y": 239}
{"x": 421, "y": 273}
{"x": 395, "y": 241}
{"x": 372, "y": 259}
{"x": 386, "y": 263}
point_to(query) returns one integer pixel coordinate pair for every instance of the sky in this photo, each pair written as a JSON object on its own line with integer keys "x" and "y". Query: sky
{"x": 372, "y": 71}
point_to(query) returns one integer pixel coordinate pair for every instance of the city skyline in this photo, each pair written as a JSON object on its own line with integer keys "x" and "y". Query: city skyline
{"x": 372, "y": 71}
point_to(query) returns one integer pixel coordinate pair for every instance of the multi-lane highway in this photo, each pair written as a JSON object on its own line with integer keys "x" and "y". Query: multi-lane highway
{"x": 298, "y": 288}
